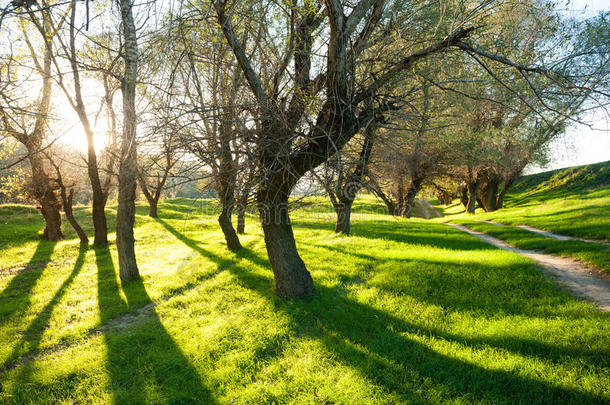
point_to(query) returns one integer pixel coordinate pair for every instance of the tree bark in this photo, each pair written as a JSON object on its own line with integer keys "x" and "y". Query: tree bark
{"x": 128, "y": 268}
{"x": 152, "y": 208}
{"x": 224, "y": 219}
{"x": 472, "y": 196}
{"x": 241, "y": 220}
{"x": 410, "y": 197}
{"x": 344, "y": 213}
{"x": 292, "y": 280}
{"x": 502, "y": 194}
{"x": 67, "y": 201}
{"x": 488, "y": 194}
{"x": 463, "y": 190}
{"x": 44, "y": 193}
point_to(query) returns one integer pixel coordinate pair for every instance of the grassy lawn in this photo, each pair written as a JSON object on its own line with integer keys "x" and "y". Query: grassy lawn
{"x": 573, "y": 201}
{"x": 407, "y": 311}
{"x": 593, "y": 254}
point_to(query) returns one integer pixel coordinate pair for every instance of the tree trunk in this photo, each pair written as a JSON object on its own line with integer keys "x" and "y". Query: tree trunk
{"x": 241, "y": 220}
{"x": 43, "y": 192}
{"x": 128, "y": 268}
{"x": 463, "y": 190}
{"x": 227, "y": 174}
{"x": 292, "y": 280}
{"x": 410, "y": 197}
{"x": 472, "y": 197}
{"x": 49, "y": 207}
{"x": 344, "y": 213}
{"x": 67, "y": 201}
{"x": 152, "y": 208}
{"x": 502, "y": 194}
{"x": 224, "y": 219}
{"x": 100, "y": 225}
{"x": 488, "y": 195}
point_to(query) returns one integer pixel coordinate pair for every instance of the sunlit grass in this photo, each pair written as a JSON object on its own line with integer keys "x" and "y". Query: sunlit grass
{"x": 405, "y": 312}
{"x": 572, "y": 201}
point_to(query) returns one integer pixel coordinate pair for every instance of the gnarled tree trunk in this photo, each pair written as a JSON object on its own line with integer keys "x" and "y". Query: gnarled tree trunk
{"x": 43, "y": 192}
{"x": 414, "y": 188}
{"x": 463, "y": 190}
{"x": 507, "y": 184}
{"x": 472, "y": 196}
{"x": 292, "y": 280}
{"x": 488, "y": 193}
{"x": 344, "y": 213}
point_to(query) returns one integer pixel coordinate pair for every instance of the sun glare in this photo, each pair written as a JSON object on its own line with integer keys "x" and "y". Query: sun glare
{"x": 75, "y": 138}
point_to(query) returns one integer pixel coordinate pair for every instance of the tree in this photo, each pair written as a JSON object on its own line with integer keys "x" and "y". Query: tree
{"x": 67, "y": 199}
{"x": 411, "y": 151}
{"x": 217, "y": 109}
{"x": 368, "y": 47}
{"x": 302, "y": 126}
{"x": 155, "y": 166}
{"x": 128, "y": 168}
{"x": 28, "y": 123}
{"x": 75, "y": 99}
{"x": 345, "y": 175}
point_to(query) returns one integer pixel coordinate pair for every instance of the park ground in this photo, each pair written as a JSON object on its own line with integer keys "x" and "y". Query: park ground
{"x": 406, "y": 311}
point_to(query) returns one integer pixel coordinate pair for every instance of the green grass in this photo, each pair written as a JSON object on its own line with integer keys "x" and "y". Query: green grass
{"x": 573, "y": 201}
{"x": 405, "y": 312}
{"x": 595, "y": 255}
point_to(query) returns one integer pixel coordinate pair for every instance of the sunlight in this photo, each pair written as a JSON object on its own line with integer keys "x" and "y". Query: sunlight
{"x": 75, "y": 137}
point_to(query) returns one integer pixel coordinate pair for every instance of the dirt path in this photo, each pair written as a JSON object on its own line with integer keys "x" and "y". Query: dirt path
{"x": 578, "y": 279}
{"x": 428, "y": 210}
{"x": 547, "y": 234}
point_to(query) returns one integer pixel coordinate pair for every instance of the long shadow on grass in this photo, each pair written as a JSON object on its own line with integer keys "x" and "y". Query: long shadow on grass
{"x": 373, "y": 342}
{"x": 468, "y": 287}
{"x": 142, "y": 356}
{"x": 434, "y": 235}
{"x": 15, "y": 298}
{"x": 32, "y": 337}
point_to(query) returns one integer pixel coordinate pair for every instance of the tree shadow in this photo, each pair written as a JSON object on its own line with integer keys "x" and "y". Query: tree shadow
{"x": 433, "y": 235}
{"x": 454, "y": 286}
{"x": 374, "y": 342}
{"x": 32, "y": 337}
{"x": 144, "y": 362}
{"x": 15, "y": 298}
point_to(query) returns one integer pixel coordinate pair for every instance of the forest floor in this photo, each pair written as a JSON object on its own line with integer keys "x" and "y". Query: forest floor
{"x": 406, "y": 311}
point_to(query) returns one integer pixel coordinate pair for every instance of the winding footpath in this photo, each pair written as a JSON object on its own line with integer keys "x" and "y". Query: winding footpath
{"x": 547, "y": 233}
{"x": 580, "y": 280}
{"x": 428, "y": 210}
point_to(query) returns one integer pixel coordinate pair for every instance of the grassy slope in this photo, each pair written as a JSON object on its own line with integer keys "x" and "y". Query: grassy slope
{"x": 573, "y": 201}
{"x": 406, "y": 311}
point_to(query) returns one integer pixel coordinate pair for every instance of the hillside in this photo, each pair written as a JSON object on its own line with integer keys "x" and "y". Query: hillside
{"x": 574, "y": 201}
{"x": 573, "y": 180}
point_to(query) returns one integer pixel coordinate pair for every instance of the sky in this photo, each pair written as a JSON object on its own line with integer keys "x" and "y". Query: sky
{"x": 581, "y": 144}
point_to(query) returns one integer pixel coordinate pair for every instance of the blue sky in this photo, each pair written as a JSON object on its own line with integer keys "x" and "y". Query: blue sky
{"x": 581, "y": 144}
